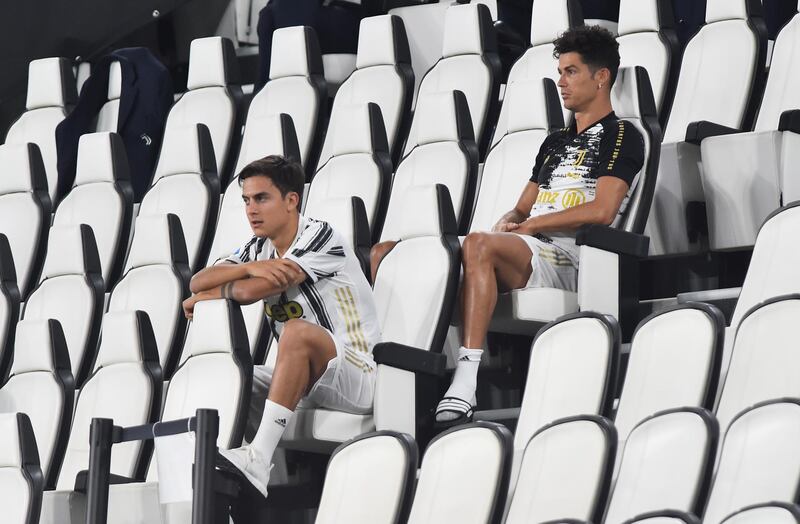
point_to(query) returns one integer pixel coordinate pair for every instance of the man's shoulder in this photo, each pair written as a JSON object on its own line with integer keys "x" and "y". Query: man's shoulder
{"x": 620, "y": 128}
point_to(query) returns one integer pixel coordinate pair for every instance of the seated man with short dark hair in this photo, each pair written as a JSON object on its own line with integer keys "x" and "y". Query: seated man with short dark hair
{"x": 318, "y": 301}
{"x": 582, "y": 175}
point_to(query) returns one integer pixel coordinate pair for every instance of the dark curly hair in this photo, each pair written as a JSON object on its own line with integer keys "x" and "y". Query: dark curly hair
{"x": 286, "y": 174}
{"x": 597, "y": 46}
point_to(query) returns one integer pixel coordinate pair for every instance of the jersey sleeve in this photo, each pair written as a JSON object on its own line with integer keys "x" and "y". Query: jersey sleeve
{"x": 246, "y": 253}
{"x": 319, "y": 251}
{"x": 621, "y": 152}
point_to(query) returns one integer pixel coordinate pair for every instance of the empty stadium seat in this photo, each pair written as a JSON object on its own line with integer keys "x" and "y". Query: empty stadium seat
{"x": 565, "y": 472}
{"x": 550, "y": 19}
{"x": 156, "y": 281}
{"x": 186, "y": 184}
{"x": 573, "y": 371}
{"x": 754, "y": 169}
{"x": 469, "y": 64}
{"x": 101, "y": 198}
{"x": 772, "y": 512}
{"x": 464, "y": 476}
{"x": 383, "y": 76}
{"x": 415, "y": 290}
{"x": 647, "y": 38}
{"x": 9, "y": 307}
{"x": 607, "y": 254}
{"x": 21, "y": 480}
{"x": 370, "y": 480}
{"x": 733, "y": 27}
{"x": 108, "y": 116}
{"x": 360, "y": 165}
{"x": 664, "y": 517}
{"x": 297, "y": 87}
{"x": 683, "y": 341}
{"x": 764, "y": 359}
{"x": 71, "y": 291}
{"x": 760, "y": 459}
{"x": 41, "y": 386}
{"x": 51, "y": 94}
{"x": 444, "y": 152}
{"x": 667, "y": 462}
{"x": 534, "y": 112}
{"x": 24, "y": 211}
{"x": 212, "y": 99}
{"x": 125, "y": 387}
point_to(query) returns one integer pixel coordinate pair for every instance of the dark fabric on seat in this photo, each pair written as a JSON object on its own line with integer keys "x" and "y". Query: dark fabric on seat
{"x": 145, "y": 100}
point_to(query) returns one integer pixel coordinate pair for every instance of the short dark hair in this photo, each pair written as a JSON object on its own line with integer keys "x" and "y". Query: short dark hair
{"x": 597, "y": 46}
{"x": 286, "y": 174}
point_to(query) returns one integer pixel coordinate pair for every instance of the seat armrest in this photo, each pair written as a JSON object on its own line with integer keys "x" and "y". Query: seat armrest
{"x": 82, "y": 480}
{"x": 410, "y": 358}
{"x": 613, "y": 240}
{"x": 699, "y": 131}
{"x": 790, "y": 121}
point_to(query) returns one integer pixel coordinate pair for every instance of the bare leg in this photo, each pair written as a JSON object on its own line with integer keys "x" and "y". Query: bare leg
{"x": 304, "y": 351}
{"x": 492, "y": 262}
{"x": 376, "y": 254}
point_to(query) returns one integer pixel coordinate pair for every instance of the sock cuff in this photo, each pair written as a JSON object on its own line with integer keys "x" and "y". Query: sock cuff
{"x": 277, "y": 413}
{"x": 469, "y": 355}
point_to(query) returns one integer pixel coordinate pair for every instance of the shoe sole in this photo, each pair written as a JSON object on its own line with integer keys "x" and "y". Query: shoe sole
{"x": 226, "y": 465}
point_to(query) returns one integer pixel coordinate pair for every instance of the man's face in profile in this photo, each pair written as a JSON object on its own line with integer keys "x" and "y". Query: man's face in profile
{"x": 577, "y": 83}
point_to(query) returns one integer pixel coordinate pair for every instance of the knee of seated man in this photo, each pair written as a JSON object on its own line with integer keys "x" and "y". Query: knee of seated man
{"x": 294, "y": 334}
{"x": 476, "y": 247}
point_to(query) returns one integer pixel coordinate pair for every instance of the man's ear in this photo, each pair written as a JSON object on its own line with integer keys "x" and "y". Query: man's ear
{"x": 603, "y": 76}
{"x": 293, "y": 199}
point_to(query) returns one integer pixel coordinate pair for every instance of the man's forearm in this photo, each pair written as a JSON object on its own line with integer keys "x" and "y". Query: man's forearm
{"x": 215, "y": 276}
{"x": 567, "y": 220}
{"x": 244, "y": 291}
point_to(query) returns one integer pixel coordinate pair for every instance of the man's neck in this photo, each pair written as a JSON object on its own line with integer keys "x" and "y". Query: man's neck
{"x": 596, "y": 111}
{"x": 285, "y": 238}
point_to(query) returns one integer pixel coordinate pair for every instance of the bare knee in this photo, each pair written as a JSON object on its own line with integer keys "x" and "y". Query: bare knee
{"x": 377, "y": 254}
{"x": 476, "y": 249}
{"x": 294, "y": 340}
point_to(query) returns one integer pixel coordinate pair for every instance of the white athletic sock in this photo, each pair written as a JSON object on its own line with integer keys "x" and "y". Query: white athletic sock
{"x": 273, "y": 424}
{"x": 465, "y": 379}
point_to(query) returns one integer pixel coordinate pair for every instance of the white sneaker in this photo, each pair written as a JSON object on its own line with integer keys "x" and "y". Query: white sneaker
{"x": 251, "y": 464}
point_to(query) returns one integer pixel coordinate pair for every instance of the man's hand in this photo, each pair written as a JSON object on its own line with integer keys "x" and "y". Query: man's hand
{"x": 188, "y": 306}
{"x": 505, "y": 227}
{"x": 278, "y": 272}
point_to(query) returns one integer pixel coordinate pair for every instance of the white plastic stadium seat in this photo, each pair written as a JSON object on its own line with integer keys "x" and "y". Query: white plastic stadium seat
{"x": 370, "y": 480}
{"x": 212, "y": 98}
{"x": 607, "y": 253}
{"x": 534, "y": 112}
{"x": 572, "y": 371}
{"x": 296, "y": 87}
{"x": 101, "y": 198}
{"x": 666, "y": 463}
{"x": 464, "y": 476}
{"x": 443, "y": 152}
{"x": 264, "y": 135}
{"x": 108, "y": 116}
{"x": 771, "y": 512}
{"x": 760, "y": 459}
{"x": 71, "y": 291}
{"x": 755, "y": 169}
{"x": 550, "y": 19}
{"x": 9, "y": 307}
{"x": 21, "y": 481}
{"x": 733, "y": 27}
{"x": 24, "y": 211}
{"x": 415, "y": 290}
{"x": 565, "y": 472}
{"x": 360, "y": 165}
{"x": 186, "y": 183}
{"x": 383, "y": 76}
{"x": 647, "y": 38}
{"x": 217, "y": 374}
{"x": 684, "y": 341}
{"x": 125, "y": 387}
{"x": 664, "y": 517}
{"x": 764, "y": 360}
{"x": 156, "y": 281}
{"x": 41, "y": 386}
{"x": 469, "y": 64}
{"x": 51, "y": 95}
